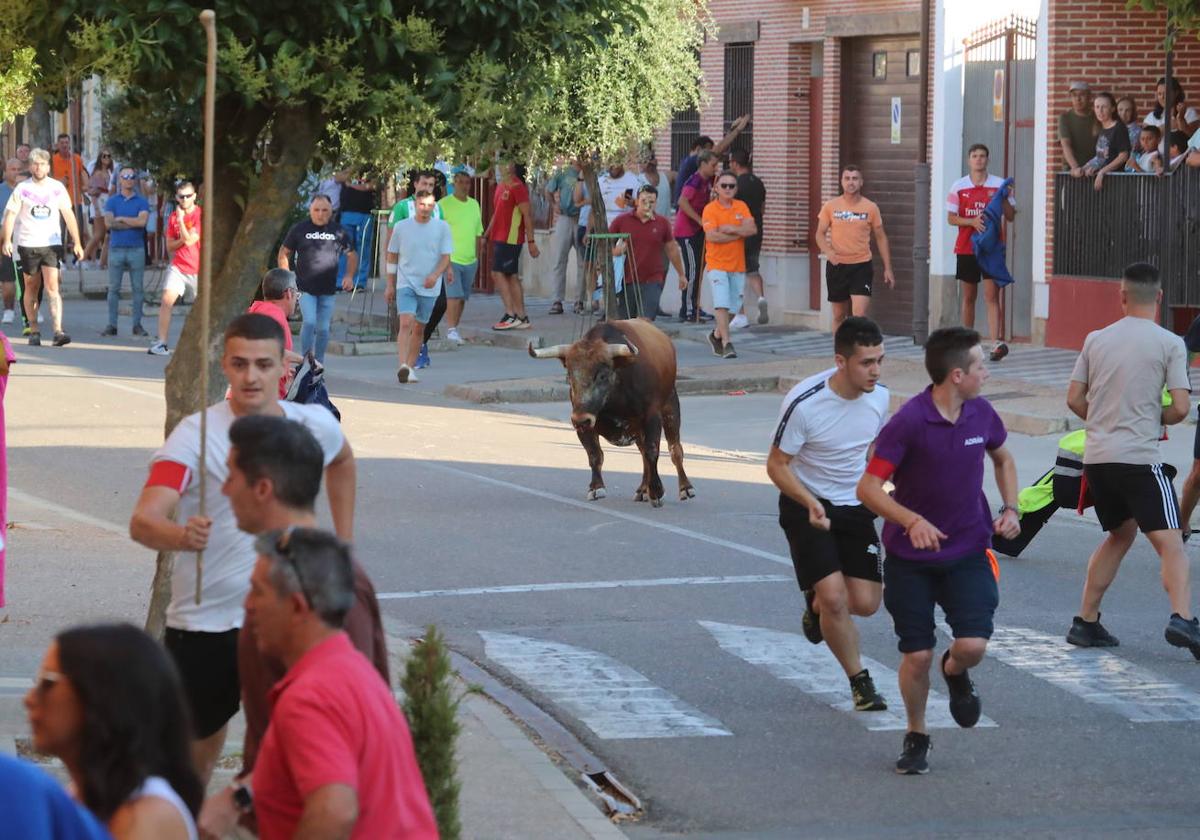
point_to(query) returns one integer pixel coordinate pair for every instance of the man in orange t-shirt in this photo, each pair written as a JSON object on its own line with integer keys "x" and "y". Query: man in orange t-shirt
{"x": 727, "y": 224}
{"x": 844, "y": 228}
{"x": 67, "y": 167}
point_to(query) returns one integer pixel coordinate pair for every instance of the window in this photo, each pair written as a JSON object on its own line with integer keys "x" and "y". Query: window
{"x": 914, "y": 63}
{"x": 685, "y": 128}
{"x": 739, "y": 90}
{"x": 879, "y": 65}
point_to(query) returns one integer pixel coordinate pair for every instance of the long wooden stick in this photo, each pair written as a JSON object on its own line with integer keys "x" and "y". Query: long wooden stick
{"x": 209, "y": 20}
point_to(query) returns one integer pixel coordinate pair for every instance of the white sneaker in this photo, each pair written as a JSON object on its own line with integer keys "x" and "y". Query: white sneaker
{"x": 739, "y": 322}
{"x": 451, "y": 335}
{"x": 406, "y": 374}
{"x": 763, "y": 315}
{"x": 7, "y": 317}
{"x": 158, "y": 348}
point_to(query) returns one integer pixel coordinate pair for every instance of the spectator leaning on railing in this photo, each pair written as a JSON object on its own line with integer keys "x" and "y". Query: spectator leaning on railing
{"x": 1127, "y": 113}
{"x": 1146, "y": 157}
{"x": 1112, "y": 143}
{"x": 1183, "y": 118}
{"x": 1177, "y": 148}
{"x": 1077, "y": 129}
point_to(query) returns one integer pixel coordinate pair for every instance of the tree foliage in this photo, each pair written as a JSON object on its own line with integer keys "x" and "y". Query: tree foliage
{"x": 1183, "y": 14}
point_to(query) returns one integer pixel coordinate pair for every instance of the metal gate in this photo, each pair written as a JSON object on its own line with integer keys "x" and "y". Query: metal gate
{"x": 739, "y": 91}
{"x": 998, "y": 111}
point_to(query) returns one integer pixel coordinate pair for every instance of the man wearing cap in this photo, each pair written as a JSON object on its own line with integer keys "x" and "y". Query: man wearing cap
{"x": 1077, "y": 129}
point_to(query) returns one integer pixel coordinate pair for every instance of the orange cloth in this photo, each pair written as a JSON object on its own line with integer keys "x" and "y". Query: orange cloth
{"x": 60, "y": 170}
{"x": 850, "y": 227}
{"x": 725, "y": 256}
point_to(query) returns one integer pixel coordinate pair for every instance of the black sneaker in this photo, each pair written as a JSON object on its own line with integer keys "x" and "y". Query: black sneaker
{"x": 728, "y": 352}
{"x": 715, "y": 341}
{"x": 35, "y": 339}
{"x": 811, "y": 623}
{"x": 964, "y": 701}
{"x": 110, "y": 330}
{"x": 1184, "y": 632}
{"x": 866, "y": 698}
{"x": 61, "y": 339}
{"x": 701, "y": 315}
{"x": 140, "y": 331}
{"x": 914, "y": 761}
{"x": 1090, "y": 634}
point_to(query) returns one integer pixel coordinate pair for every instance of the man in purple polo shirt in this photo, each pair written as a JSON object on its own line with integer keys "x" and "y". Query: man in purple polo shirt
{"x": 939, "y": 528}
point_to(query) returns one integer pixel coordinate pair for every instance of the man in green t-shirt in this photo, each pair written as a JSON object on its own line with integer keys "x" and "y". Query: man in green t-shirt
{"x": 1077, "y": 129}
{"x": 462, "y": 213}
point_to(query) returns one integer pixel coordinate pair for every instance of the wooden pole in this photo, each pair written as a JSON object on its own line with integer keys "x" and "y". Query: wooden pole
{"x": 209, "y": 20}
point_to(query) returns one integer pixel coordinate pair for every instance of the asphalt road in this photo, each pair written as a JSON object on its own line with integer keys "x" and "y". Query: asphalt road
{"x": 669, "y": 640}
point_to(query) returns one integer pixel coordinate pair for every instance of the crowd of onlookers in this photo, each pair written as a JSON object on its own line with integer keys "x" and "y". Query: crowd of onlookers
{"x": 1101, "y": 133}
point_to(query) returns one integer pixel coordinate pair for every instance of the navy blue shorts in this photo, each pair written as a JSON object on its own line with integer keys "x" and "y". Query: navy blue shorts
{"x": 506, "y": 258}
{"x": 965, "y": 589}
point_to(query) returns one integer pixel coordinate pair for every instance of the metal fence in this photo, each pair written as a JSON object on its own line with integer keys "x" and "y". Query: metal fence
{"x": 1097, "y": 234}
{"x": 739, "y": 91}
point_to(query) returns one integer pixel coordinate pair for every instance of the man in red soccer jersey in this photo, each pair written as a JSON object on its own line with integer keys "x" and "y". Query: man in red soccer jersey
{"x": 511, "y": 227}
{"x": 964, "y": 210}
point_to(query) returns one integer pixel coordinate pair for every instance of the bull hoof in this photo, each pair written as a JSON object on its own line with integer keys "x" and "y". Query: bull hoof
{"x": 641, "y": 496}
{"x": 598, "y": 493}
{"x": 656, "y": 502}
{"x": 686, "y": 493}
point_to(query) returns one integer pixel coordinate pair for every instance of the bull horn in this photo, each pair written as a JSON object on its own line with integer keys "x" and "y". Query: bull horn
{"x": 615, "y": 350}
{"x": 558, "y": 351}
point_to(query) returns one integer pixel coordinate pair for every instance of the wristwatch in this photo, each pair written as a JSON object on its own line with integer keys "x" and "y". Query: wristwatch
{"x": 243, "y": 798}
{"x": 1013, "y": 508}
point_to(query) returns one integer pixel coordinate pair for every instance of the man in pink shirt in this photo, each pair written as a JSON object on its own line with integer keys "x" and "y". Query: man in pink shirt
{"x": 337, "y": 759}
{"x": 280, "y": 294}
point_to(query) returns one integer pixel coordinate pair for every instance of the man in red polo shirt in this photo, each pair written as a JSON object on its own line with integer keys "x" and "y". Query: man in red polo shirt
{"x": 337, "y": 759}
{"x": 650, "y": 239}
{"x": 280, "y": 295}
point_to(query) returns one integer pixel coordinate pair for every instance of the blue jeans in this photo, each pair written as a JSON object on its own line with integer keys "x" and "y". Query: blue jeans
{"x": 361, "y": 227}
{"x": 121, "y": 260}
{"x": 317, "y": 311}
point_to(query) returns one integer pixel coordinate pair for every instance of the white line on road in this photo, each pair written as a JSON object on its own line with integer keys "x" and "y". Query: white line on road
{"x": 595, "y": 507}
{"x": 583, "y": 584}
{"x": 611, "y": 699}
{"x": 814, "y": 670}
{"x": 23, "y": 498}
{"x": 1095, "y": 676}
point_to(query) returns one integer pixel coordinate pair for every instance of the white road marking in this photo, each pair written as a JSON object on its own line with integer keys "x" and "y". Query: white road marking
{"x": 129, "y": 389}
{"x": 611, "y": 699}
{"x": 1096, "y": 676}
{"x": 814, "y": 670}
{"x": 583, "y": 584}
{"x": 23, "y": 498}
{"x": 600, "y": 508}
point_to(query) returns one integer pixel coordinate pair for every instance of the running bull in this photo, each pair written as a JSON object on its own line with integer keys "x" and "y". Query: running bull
{"x": 622, "y": 378}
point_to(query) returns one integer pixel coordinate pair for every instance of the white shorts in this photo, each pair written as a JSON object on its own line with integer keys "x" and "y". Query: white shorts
{"x": 177, "y": 282}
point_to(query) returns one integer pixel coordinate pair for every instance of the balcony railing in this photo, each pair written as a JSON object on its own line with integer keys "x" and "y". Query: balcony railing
{"x": 1097, "y": 234}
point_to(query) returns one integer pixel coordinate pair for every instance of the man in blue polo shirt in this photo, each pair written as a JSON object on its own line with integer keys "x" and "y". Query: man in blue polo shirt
{"x": 126, "y": 214}
{"x": 939, "y": 528}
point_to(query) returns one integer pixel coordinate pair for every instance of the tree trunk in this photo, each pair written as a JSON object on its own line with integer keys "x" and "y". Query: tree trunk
{"x": 272, "y": 194}
{"x": 37, "y": 125}
{"x": 603, "y": 259}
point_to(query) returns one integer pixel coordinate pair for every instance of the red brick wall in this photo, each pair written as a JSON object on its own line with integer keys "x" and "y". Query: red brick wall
{"x": 1123, "y": 56}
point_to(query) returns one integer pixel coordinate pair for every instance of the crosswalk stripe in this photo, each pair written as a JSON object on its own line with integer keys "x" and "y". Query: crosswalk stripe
{"x": 611, "y": 699}
{"x": 1095, "y": 676}
{"x": 814, "y": 670}
{"x": 632, "y": 583}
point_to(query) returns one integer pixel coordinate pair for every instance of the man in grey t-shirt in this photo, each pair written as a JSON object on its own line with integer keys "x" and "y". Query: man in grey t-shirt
{"x": 419, "y": 251}
{"x": 1116, "y": 389}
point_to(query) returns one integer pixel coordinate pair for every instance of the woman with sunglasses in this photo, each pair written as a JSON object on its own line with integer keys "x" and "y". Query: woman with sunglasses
{"x": 108, "y": 703}
{"x": 97, "y": 191}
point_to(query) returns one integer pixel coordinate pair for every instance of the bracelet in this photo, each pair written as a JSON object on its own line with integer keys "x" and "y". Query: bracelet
{"x": 1007, "y": 507}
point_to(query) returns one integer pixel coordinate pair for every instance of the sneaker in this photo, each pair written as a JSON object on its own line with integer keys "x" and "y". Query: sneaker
{"x": 866, "y": 698}
{"x": 763, "y": 316}
{"x": 404, "y": 374}
{"x": 1090, "y": 634}
{"x": 715, "y": 341}
{"x": 505, "y": 323}
{"x": 683, "y": 313}
{"x": 452, "y": 335}
{"x": 999, "y": 351}
{"x": 521, "y": 323}
{"x": 701, "y": 315}
{"x": 110, "y": 330}
{"x": 422, "y": 357}
{"x": 728, "y": 352}
{"x": 140, "y": 331}
{"x": 7, "y": 318}
{"x": 556, "y": 308}
{"x": 964, "y": 700}
{"x": 811, "y": 623}
{"x": 577, "y": 308}
{"x": 159, "y": 348}
{"x": 739, "y": 322}
{"x": 26, "y": 330}
{"x": 914, "y": 761}
{"x": 1184, "y": 632}
{"x": 35, "y": 339}
{"x": 61, "y": 339}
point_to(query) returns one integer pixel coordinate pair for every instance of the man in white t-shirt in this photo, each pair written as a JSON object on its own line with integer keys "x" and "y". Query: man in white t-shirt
{"x": 826, "y": 429}
{"x": 202, "y": 637}
{"x": 618, "y": 188}
{"x": 34, "y": 209}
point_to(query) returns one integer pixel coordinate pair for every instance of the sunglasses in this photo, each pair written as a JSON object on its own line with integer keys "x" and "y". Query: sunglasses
{"x": 105, "y": 156}
{"x": 185, "y": 197}
{"x": 727, "y": 186}
{"x": 128, "y": 177}
{"x": 46, "y": 680}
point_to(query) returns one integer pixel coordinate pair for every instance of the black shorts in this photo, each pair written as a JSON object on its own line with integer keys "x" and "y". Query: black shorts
{"x": 33, "y": 260}
{"x": 967, "y": 269}
{"x": 846, "y": 279}
{"x": 1143, "y": 492}
{"x": 1196, "y": 439}
{"x": 208, "y": 668}
{"x": 506, "y": 258}
{"x": 965, "y": 589}
{"x": 8, "y": 269}
{"x": 753, "y": 248}
{"x": 850, "y": 546}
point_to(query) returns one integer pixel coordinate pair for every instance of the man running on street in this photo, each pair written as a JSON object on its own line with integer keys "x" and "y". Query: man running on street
{"x": 35, "y": 207}
{"x": 826, "y": 428}
{"x": 419, "y": 251}
{"x": 939, "y": 529}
